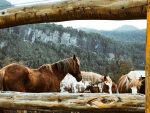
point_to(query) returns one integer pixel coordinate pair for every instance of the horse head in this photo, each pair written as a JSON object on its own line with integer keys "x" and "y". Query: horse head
{"x": 75, "y": 70}
{"x": 134, "y": 84}
{"x": 108, "y": 82}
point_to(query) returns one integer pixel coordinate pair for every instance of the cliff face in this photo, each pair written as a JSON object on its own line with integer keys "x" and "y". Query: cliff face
{"x": 87, "y": 41}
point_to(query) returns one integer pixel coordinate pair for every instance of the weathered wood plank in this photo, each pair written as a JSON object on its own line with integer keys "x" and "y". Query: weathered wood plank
{"x": 147, "y": 67}
{"x": 73, "y": 10}
{"x": 73, "y": 102}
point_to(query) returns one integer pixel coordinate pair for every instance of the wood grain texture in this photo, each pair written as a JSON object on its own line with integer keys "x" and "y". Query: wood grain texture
{"x": 73, "y": 10}
{"x": 73, "y": 102}
{"x": 148, "y": 63}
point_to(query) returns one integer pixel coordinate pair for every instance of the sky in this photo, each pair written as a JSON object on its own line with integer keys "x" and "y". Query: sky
{"x": 17, "y": 2}
{"x": 104, "y": 24}
{"x": 94, "y": 24}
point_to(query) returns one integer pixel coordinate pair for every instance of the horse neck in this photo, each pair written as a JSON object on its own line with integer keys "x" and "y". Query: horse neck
{"x": 60, "y": 74}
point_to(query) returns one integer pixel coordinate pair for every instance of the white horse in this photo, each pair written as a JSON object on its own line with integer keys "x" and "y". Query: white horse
{"x": 136, "y": 78}
{"x": 92, "y": 77}
{"x": 70, "y": 84}
{"x": 136, "y": 74}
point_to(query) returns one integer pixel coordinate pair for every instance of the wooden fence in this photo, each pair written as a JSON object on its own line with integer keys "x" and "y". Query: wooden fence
{"x": 16, "y": 102}
{"x": 76, "y": 10}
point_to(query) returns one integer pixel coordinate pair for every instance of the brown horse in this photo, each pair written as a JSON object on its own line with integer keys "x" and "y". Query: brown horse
{"x": 129, "y": 85}
{"x": 47, "y": 78}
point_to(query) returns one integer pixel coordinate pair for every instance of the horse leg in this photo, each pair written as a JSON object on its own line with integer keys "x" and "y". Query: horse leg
{"x": 1, "y": 80}
{"x": 110, "y": 89}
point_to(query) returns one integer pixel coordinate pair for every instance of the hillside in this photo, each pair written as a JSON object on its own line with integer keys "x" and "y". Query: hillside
{"x": 34, "y": 45}
{"x": 124, "y": 33}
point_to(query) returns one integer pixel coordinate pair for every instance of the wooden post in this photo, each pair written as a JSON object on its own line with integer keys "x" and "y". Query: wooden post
{"x": 73, "y": 10}
{"x": 148, "y": 63}
{"x": 81, "y": 102}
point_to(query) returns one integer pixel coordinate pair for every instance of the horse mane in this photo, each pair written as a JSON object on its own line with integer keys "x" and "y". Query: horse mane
{"x": 46, "y": 67}
{"x": 11, "y": 65}
{"x": 64, "y": 65}
{"x": 61, "y": 65}
{"x": 123, "y": 81}
{"x": 135, "y": 82}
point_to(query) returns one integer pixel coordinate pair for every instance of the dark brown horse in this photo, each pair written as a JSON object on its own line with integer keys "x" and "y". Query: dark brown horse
{"x": 47, "y": 78}
{"x": 142, "y": 88}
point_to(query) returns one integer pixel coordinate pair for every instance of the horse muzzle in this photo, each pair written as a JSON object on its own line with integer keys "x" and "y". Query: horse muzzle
{"x": 79, "y": 78}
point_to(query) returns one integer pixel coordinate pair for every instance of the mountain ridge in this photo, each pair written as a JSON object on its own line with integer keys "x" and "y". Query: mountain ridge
{"x": 121, "y": 34}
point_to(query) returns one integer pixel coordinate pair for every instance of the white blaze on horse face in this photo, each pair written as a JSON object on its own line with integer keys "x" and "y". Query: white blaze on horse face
{"x": 134, "y": 90}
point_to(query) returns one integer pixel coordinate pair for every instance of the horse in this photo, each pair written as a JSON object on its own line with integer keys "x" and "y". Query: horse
{"x": 107, "y": 86}
{"x": 136, "y": 74}
{"x": 92, "y": 77}
{"x": 46, "y": 78}
{"x": 129, "y": 85}
{"x": 68, "y": 84}
{"x": 71, "y": 85}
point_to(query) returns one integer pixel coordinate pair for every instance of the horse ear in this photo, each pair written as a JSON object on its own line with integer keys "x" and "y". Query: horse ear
{"x": 74, "y": 57}
{"x": 105, "y": 78}
{"x": 129, "y": 79}
{"x": 141, "y": 78}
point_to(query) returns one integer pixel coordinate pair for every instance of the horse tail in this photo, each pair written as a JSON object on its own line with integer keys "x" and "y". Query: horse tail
{"x": 2, "y": 72}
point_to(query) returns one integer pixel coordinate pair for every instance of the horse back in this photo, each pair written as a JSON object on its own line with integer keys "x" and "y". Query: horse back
{"x": 91, "y": 76}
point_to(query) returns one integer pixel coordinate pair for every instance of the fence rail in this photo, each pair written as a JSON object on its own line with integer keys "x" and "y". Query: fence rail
{"x": 72, "y": 102}
{"x": 74, "y": 10}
